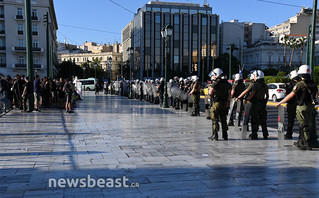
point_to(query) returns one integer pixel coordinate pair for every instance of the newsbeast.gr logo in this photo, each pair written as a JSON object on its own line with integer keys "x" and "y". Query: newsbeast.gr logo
{"x": 89, "y": 182}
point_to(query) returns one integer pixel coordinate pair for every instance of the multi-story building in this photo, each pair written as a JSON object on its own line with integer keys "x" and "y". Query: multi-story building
{"x": 267, "y": 54}
{"x": 297, "y": 25}
{"x": 13, "y": 36}
{"x": 247, "y": 34}
{"x": 192, "y": 45}
{"x": 102, "y": 53}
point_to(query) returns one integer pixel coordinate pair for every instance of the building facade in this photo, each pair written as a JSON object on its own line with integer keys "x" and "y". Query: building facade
{"x": 246, "y": 34}
{"x": 297, "y": 25}
{"x": 267, "y": 54}
{"x": 13, "y": 56}
{"x": 192, "y": 45}
{"x": 81, "y": 57}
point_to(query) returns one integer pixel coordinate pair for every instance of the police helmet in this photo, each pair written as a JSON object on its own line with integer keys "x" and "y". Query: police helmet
{"x": 162, "y": 79}
{"x": 194, "y": 78}
{"x": 181, "y": 79}
{"x": 258, "y": 74}
{"x": 217, "y": 73}
{"x": 304, "y": 69}
{"x": 171, "y": 80}
{"x": 237, "y": 77}
{"x": 293, "y": 74}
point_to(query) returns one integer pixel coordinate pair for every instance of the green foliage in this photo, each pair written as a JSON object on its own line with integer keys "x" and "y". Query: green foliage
{"x": 222, "y": 62}
{"x": 66, "y": 69}
{"x": 281, "y": 74}
{"x": 270, "y": 72}
{"x": 316, "y": 74}
{"x": 276, "y": 79}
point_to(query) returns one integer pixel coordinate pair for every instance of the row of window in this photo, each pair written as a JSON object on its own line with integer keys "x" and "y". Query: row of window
{"x": 84, "y": 59}
{"x": 34, "y": 12}
{"x": 176, "y": 10}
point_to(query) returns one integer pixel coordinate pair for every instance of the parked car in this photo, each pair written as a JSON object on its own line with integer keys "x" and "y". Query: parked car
{"x": 276, "y": 91}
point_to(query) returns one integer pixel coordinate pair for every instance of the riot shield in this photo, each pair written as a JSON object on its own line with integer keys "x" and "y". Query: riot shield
{"x": 169, "y": 86}
{"x": 207, "y": 106}
{"x": 246, "y": 120}
{"x": 281, "y": 127}
{"x": 238, "y": 112}
{"x": 183, "y": 95}
{"x": 174, "y": 91}
{"x": 230, "y": 111}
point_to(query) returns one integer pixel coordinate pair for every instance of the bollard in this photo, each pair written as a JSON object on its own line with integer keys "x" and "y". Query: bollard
{"x": 281, "y": 127}
{"x": 245, "y": 120}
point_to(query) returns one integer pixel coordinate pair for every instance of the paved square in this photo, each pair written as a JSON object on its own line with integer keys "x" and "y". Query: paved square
{"x": 165, "y": 151}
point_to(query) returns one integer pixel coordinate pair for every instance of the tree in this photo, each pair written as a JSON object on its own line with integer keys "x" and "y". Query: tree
{"x": 285, "y": 42}
{"x": 67, "y": 69}
{"x": 293, "y": 44}
{"x": 302, "y": 42}
{"x": 222, "y": 63}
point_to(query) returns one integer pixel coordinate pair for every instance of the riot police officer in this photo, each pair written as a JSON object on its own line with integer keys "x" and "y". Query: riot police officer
{"x": 291, "y": 104}
{"x": 237, "y": 89}
{"x": 220, "y": 94}
{"x": 258, "y": 97}
{"x": 195, "y": 93}
{"x": 305, "y": 92}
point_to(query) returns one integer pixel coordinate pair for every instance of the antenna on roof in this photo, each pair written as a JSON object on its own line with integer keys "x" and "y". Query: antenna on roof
{"x": 206, "y": 4}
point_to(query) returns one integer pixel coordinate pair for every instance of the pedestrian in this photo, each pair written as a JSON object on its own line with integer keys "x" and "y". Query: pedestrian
{"x": 220, "y": 94}
{"x": 195, "y": 94}
{"x": 291, "y": 104}
{"x": 16, "y": 92}
{"x": 27, "y": 96}
{"x": 37, "y": 93}
{"x": 96, "y": 88}
{"x": 68, "y": 96}
{"x": 305, "y": 92}
{"x": 259, "y": 98}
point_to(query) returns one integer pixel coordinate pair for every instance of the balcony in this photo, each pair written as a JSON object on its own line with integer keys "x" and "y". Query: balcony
{"x": 34, "y": 18}
{"x": 3, "y": 65}
{"x": 19, "y": 17}
{"x": 20, "y": 32}
{"x": 2, "y": 31}
{"x": 19, "y": 66}
{"x": 24, "y": 66}
{"x": 35, "y": 33}
{"x": 24, "y": 49}
{"x": 1, "y": 16}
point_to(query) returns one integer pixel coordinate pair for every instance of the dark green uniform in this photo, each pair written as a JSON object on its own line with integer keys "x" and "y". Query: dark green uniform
{"x": 258, "y": 109}
{"x": 305, "y": 93}
{"x": 238, "y": 88}
{"x": 291, "y": 110}
{"x": 196, "y": 98}
{"x": 219, "y": 108}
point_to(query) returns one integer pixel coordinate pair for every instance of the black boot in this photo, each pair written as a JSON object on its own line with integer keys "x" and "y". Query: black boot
{"x": 288, "y": 135}
{"x": 225, "y": 135}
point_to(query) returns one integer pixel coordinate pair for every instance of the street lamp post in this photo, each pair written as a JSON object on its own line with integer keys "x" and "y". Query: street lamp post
{"x": 166, "y": 33}
{"x": 110, "y": 69}
{"x": 130, "y": 52}
{"x": 95, "y": 65}
{"x": 84, "y": 68}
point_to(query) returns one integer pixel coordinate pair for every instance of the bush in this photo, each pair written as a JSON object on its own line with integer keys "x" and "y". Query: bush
{"x": 276, "y": 79}
{"x": 281, "y": 74}
{"x": 316, "y": 74}
{"x": 270, "y": 72}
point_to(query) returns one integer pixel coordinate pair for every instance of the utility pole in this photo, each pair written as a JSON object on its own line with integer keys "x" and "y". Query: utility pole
{"x": 308, "y": 45}
{"x": 46, "y": 23}
{"x": 30, "y": 71}
{"x": 230, "y": 55}
{"x": 313, "y": 37}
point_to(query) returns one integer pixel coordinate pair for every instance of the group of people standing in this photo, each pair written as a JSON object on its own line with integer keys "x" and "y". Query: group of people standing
{"x": 181, "y": 93}
{"x": 28, "y": 95}
{"x": 300, "y": 97}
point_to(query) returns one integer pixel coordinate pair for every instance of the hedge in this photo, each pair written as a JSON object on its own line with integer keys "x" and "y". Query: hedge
{"x": 276, "y": 79}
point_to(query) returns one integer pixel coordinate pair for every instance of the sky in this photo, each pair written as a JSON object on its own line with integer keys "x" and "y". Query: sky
{"x": 101, "y": 21}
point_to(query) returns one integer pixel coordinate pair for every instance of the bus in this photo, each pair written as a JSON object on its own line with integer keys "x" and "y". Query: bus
{"x": 88, "y": 84}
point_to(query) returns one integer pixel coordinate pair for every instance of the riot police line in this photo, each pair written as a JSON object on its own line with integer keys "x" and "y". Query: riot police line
{"x": 225, "y": 102}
